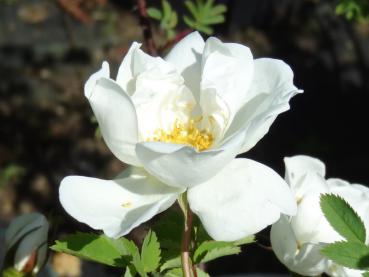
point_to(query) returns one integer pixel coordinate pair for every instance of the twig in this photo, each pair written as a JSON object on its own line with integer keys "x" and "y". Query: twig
{"x": 146, "y": 27}
{"x": 74, "y": 9}
{"x": 266, "y": 247}
{"x": 194, "y": 270}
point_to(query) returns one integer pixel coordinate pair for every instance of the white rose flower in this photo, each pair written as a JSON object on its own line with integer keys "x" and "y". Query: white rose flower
{"x": 180, "y": 122}
{"x": 297, "y": 240}
{"x": 26, "y": 238}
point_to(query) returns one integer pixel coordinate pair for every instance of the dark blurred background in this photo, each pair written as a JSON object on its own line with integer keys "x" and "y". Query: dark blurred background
{"x": 49, "y": 48}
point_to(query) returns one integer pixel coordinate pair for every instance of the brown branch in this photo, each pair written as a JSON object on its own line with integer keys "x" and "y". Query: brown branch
{"x": 146, "y": 27}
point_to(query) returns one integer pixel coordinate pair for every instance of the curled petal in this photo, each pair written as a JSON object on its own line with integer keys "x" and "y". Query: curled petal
{"x": 136, "y": 62}
{"x": 242, "y": 199}
{"x": 227, "y": 71}
{"x": 335, "y": 270}
{"x": 304, "y": 259}
{"x": 117, "y": 118}
{"x": 309, "y": 224}
{"x": 125, "y": 72}
{"x": 183, "y": 166}
{"x": 104, "y": 72}
{"x": 186, "y": 57}
{"x": 160, "y": 100}
{"x": 298, "y": 166}
{"x": 115, "y": 206}
{"x": 271, "y": 89}
{"x": 309, "y": 184}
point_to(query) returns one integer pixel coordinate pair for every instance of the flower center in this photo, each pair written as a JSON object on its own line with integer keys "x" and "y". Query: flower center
{"x": 185, "y": 134}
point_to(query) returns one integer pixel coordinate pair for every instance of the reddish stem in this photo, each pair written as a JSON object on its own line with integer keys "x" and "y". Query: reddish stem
{"x": 194, "y": 271}
{"x": 186, "y": 240}
{"x": 146, "y": 27}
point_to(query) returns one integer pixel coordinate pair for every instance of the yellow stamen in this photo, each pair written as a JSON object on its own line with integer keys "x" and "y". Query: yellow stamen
{"x": 185, "y": 134}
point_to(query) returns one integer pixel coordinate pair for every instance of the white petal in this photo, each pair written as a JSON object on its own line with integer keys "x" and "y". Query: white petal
{"x": 303, "y": 259}
{"x": 158, "y": 93}
{"x": 104, "y": 72}
{"x": 227, "y": 71}
{"x": 183, "y": 166}
{"x": 136, "y": 62}
{"x": 298, "y": 166}
{"x": 242, "y": 199}
{"x": 309, "y": 224}
{"x": 143, "y": 62}
{"x": 335, "y": 270}
{"x": 161, "y": 99}
{"x": 271, "y": 89}
{"x": 117, "y": 118}
{"x": 186, "y": 56}
{"x": 215, "y": 115}
{"x": 309, "y": 183}
{"x": 115, "y": 206}
{"x": 125, "y": 72}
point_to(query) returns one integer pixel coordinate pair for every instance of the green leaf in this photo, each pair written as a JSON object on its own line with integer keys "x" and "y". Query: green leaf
{"x": 154, "y": 13}
{"x": 216, "y": 19}
{"x": 192, "y": 8}
{"x": 218, "y": 9}
{"x": 205, "y": 29}
{"x": 173, "y": 21}
{"x": 167, "y": 10}
{"x": 189, "y": 22}
{"x": 169, "y": 228}
{"x": 12, "y": 272}
{"x": 204, "y": 14}
{"x": 208, "y": 6}
{"x": 176, "y": 272}
{"x": 349, "y": 254}
{"x": 10, "y": 172}
{"x": 170, "y": 34}
{"x": 353, "y": 9}
{"x": 366, "y": 274}
{"x": 150, "y": 252}
{"x": 171, "y": 263}
{"x": 97, "y": 248}
{"x": 211, "y": 250}
{"x": 199, "y": 233}
{"x": 246, "y": 240}
{"x": 343, "y": 218}
{"x": 136, "y": 258}
{"x": 130, "y": 271}
{"x": 201, "y": 273}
